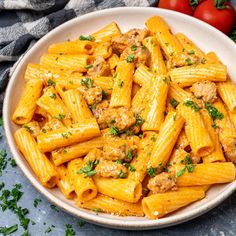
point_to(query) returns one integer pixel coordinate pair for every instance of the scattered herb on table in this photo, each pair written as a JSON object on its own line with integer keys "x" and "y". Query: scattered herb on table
{"x": 69, "y": 230}
{"x": 8, "y": 230}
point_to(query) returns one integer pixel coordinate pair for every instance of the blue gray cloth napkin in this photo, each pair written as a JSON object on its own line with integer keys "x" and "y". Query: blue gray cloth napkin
{"x": 23, "y": 22}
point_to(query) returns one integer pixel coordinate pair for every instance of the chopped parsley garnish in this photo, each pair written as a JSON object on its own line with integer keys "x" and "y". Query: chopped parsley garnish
{"x": 89, "y": 38}
{"x": 1, "y": 121}
{"x": 53, "y": 207}
{"x": 3, "y": 160}
{"x": 174, "y": 103}
{"x": 48, "y": 230}
{"x": 94, "y": 106}
{"x": 130, "y": 58}
{"x": 2, "y": 185}
{"x": 66, "y": 135}
{"x": 88, "y": 169}
{"x": 133, "y": 48}
{"x": 181, "y": 172}
{"x": 188, "y": 61}
{"x": 51, "y": 83}
{"x": 53, "y": 96}
{"x": 214, "y": 125}
{"x": 119, "y": 161}
{"x": 192, "y": 104}
{"x": 120, "y": 83}
{"x": 174, "y": 117}
{"x": 129, "y": 155}
{"x": 189, "y": 166}
{"x": 88, "y": 66}
{"x": 139, "y": 120}
{"x": 104, "y": 95}
{"x": 113, "y": 131}
{"x": 213, "y": 112}
{"x": 87, "y": 82}
{"x": 81, "y": 223}
{"x": 60, "y": 116}
{"x": 8, "y": 230}
{"x": 151, "y": 171}
{"x": 13, "y": 163}
{"x": 192, "y": 52}
{"x": 131, "y": 168}
{"x": 121, "y": 175}
{"x": 28, "y": 128}
{"x": 44, "y": 130}
{"x": 69, "y": 230}
{"x": 36, "y": 202}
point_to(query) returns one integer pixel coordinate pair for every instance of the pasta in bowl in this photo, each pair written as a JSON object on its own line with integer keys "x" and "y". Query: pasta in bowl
{"x": 133, "y": 123}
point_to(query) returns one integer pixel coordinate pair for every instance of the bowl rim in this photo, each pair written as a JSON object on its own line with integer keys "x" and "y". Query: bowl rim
{"x": 90, "y": 216}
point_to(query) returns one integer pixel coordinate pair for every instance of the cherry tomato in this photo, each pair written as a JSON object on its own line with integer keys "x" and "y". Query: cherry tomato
{"x": 177, "y": 5}
{"x": 221, "y": 16}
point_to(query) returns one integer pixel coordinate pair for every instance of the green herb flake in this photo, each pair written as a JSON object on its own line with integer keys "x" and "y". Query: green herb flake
{"x": 153, "y": 138}
{"x": 94, "y": 106}
{"x": 13, "y": 163}
{"x": 55, "y": 208}
{"x": 130, "y": 58}
{"x": 69, "y": 230}
{"x": 118, "y": 161}
{"x": 36, "y": 202}
{"x": 8, "y": 230}
{"x": 88, "y": 38}
{"x": 181, "y": 172}
{"x": 88, "y": 169}
{"x": 104, "y": 94}
{"x": 165, "y": 80}
{"x": 121, "y": 175}
{"x": 129, "y": 155}
{"x": 88, "y": 66}
{"x": 81, "y": 223}
{"x": 87, "y": 82}
{"x": 133, "y": 48}
{"x": 48, "y": 230}
{"x": 192, "y": 52}
{"x": 213, "y": 112}
{"x": 189, "y": 62}
{"x": 44, "y": 130}
{"x": 151, "y": 171}
{"x": 2, "y": 185}
{"x": 174, "y": 117}
{"x": 60, "y": 116}
{"x": 3, "y": 160}
{"x": 53, "y": 96}
{"x": 1, "y": 122}
{"x": 51, "y": 83}
{"x": 113, "y": 131}
{"x": 192, "y": 105}
{"x": 131, "y": 168}
{"x": 139, "y": 120}
{"x": 28, "y": 128}
{"x": 174, "y": 103}
{"x": 120, "y": 83}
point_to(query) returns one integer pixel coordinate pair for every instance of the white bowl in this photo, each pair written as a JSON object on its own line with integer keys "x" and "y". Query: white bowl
{"x": 205, "y": 36}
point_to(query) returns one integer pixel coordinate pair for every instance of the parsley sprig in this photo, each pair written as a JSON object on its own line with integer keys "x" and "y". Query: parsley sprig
{"x": 192, "y": 105}
{"x": 189, "y": 166}
{"x": 88, "y": 169}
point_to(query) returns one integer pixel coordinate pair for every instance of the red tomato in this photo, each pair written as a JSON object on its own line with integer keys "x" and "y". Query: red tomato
{"x": 177, "y": 5}
{"x": 222, "y": 19}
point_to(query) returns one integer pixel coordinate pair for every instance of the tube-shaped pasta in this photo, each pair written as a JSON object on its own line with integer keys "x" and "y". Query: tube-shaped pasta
{"x": 207, "y": 173}
{"x": 85, "y": 188}
{"x": 76, "y": 104}
{"x": 107, "y": 33}
{"x": 39, "y": 163}
{"x": 135, "y": 89}
{"x": 64, "y": 182}
{"x": 182, "y": 141}
{"x": 158, "y": 205}
{"x": 188, "y": 75}
{"x": 123, "y": 189}
{"x": 103, "y": 49}
{"x": 107, "y": 204}
{"x": 72, "y": 47}
{"x": 217, "y": 154}
{"x": 169, "y": 43}
{"x": 68, "y": 153}
{"x": 157, "y": 63}
{"x": 52, "y": 103}
{"x": 166, "y": 139}
{"x": 196, "y": 131}
{"x": 190, "y": 47}
{"x": 66, "y": 62}
{"x": 79, "y": 132}
{"x": 143, "y": 154}
{"x": 143, "y": 75}
{"x": 177, "y": 156}
{"x": 212, "y": 58}
{"x": 27, "y": 104}
{"x": 121, "y": 93}
{"x": 138, "y": 102}
{"x": 177, "y": 93}
{"x": 227, "y": 92}
{"x": 33, "y": 127}
{"x": 156, "y": 102}
{"x": 113, "y": 61}
{"x": 232, "y": 116}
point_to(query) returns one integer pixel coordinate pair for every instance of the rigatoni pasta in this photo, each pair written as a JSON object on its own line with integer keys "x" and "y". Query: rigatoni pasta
{"x": 139, "y": 123}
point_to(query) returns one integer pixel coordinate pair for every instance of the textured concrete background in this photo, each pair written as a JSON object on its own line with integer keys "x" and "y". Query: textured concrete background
{"x": 220, "y": 221}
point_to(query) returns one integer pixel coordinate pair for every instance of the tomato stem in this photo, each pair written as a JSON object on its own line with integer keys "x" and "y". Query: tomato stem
{"x": 220, "y": 4}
